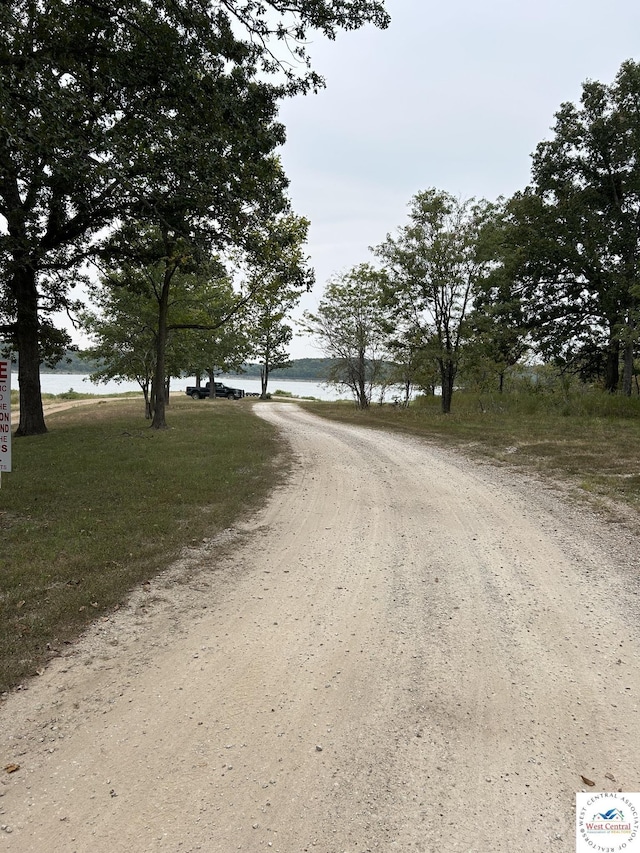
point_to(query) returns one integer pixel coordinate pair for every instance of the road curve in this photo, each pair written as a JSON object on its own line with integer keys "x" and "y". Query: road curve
{"x": 404, "y": 651}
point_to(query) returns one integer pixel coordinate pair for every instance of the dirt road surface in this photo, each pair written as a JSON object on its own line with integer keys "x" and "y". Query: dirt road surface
{"x": 404, "y": 651}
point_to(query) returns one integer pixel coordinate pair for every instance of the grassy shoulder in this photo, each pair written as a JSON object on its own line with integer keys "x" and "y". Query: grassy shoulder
{"x": 101, "y": 503}
{"x": 591, "y": 442}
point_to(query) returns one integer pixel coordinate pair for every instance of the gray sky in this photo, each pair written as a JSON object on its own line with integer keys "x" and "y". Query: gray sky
{"x": 453, "y": 95}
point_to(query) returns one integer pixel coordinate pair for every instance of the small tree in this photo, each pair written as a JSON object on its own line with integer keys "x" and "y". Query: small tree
{"x": 123, "y": 331}
{"x": 144, "y": 314}
{"x": 432, "y": 268}
{"x": 413, "y": 366}
{"x": 271, "y": 336}
{"x": 498, "y": 322}
{"x": 217, "y": 351}
{"x": 351, "y": 325}
{"x": 278, "y": 283}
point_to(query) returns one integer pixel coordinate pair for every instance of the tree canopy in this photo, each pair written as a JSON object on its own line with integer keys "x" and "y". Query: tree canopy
{"x": 163, "y": 111}
{"x": 433, "y": 266}
{"x": 572, "y": 237}
{"x": 553, "y": 271}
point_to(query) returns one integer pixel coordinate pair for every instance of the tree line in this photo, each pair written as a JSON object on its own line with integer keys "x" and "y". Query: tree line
{"x": 470, "y": 288}
{"x": 82, "y": 362}
{"x": 141, "y": 140}
{"x": 143, "y": 137}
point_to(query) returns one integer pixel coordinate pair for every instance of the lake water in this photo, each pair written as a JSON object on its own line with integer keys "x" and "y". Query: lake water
{"x": 59, "y": 383}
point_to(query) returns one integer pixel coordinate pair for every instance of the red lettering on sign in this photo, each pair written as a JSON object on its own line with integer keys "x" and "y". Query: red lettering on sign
{"x": 4, "y": 369}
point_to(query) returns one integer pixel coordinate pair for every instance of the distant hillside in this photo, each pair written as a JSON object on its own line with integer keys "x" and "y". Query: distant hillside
{"x": 71, "y": 363}
{"x": 314, "y": 369}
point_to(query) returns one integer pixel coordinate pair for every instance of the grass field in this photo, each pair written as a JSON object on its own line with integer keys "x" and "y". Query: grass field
{"x": 101, "y": 502}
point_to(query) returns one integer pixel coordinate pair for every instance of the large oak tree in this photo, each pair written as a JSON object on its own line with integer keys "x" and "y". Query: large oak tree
{"x": 573, "y": 236}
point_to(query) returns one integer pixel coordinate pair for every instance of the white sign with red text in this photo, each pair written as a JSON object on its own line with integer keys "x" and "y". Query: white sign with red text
{"x": 5, "y": 416}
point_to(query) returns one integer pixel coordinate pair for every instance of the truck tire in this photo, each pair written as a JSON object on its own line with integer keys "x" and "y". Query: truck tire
{"x": 231, "y": 396}
{"x": 195, "y": 395}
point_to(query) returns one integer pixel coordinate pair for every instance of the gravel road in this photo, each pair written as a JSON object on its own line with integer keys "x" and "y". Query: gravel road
{"x": 403, "y": 651}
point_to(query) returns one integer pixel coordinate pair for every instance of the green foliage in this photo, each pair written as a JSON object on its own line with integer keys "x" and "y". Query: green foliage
{"x": 135, "y": 111}
{"x": 572, "y": 237}
{"x": 433, "y": 267}
{"x": 497, "y": 324}
{"x": 166, "y": 308}
{"x": 72, "y": 395}
{"x": 123, "y": 330}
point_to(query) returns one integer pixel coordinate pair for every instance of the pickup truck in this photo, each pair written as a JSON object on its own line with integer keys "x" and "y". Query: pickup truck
{"x": 220, "y": 389}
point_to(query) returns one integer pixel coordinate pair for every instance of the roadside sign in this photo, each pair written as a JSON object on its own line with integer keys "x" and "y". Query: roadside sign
{"x": 5, "y": 416}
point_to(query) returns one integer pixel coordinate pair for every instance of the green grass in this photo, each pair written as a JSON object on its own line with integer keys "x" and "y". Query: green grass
{"x": 101, "y": 503}
{"x": 589, "y": 442}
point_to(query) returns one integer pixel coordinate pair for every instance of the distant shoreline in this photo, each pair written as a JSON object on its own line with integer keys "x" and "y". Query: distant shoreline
{"x": 300, "y": 370}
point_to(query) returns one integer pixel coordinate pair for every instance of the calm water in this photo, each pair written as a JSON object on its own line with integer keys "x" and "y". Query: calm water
{"x": 58, "y": 383}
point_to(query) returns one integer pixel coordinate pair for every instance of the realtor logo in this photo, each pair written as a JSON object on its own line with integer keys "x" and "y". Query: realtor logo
{"x": 608, "y": 822}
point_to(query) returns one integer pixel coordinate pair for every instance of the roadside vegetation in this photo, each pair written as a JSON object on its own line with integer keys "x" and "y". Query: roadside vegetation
{"x": 587, "y": 441}
{"x": 102, "y": 503}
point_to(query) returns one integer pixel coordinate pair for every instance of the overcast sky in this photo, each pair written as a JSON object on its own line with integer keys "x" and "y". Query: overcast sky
{"x": 453, "y": 95}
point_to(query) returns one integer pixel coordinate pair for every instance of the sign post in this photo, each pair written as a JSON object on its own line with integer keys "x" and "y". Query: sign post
{"x": 5, "y": 416}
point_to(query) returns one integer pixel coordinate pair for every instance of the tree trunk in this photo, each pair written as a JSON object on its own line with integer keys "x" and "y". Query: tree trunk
{"x": 627, "y": 375}
{"x": 362, "y": 398}
{"x": 361, "y": 379}
{"x": 147, "y": 401}
{"x": 25, "y": 293}
{"x": 447, "y": 378}
{"x": 212, "y": 385}
{"x": 264, "y": 380}
{"x": 612, "y": 366}
{"x": 158, "y": 388}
